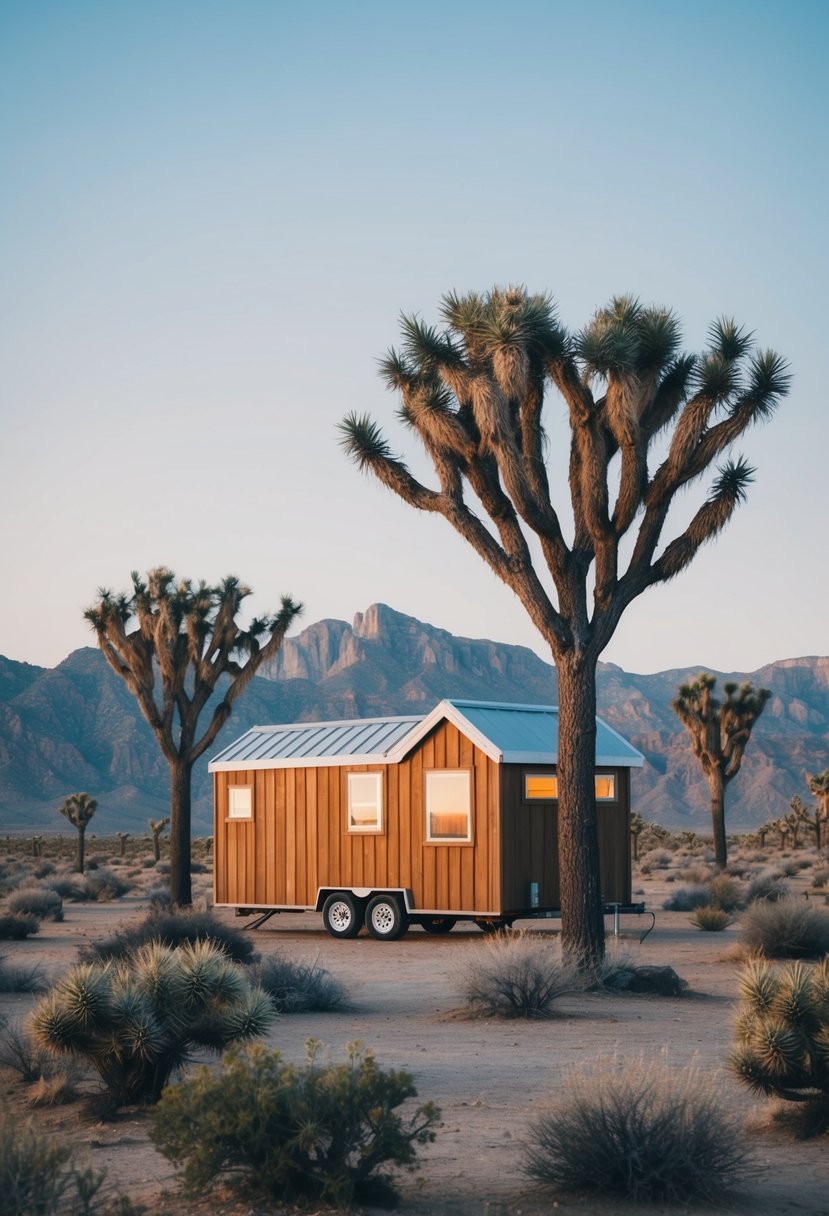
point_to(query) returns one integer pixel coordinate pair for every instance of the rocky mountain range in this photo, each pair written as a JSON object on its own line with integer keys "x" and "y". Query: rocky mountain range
{"x": 76, "y": 726}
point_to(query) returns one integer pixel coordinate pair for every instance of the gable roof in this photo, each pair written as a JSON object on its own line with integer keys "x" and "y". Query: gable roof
{"x": 508, "y": 734}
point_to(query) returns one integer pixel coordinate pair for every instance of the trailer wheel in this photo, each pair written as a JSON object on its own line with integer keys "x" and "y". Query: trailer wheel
{"x": 385, "y": 919}
{"x": 342, "y": 915}
{"x": 438, "y": 924}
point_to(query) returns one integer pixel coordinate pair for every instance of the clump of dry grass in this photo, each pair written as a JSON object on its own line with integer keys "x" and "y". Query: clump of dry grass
{"x": 640, "y": 1131}
{"x": 785, "y": 928}
{"x": 515, "y": 975}
{"x": 712, "y": 919}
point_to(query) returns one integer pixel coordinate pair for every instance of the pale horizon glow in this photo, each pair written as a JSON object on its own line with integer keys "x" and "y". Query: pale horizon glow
{"x": 211, "y": 217}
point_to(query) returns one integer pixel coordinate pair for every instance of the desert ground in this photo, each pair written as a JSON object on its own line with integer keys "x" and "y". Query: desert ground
{"x": 489, "y": 1077}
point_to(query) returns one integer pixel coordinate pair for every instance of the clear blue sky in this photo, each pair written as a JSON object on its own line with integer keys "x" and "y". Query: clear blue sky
{"x": 211, "y": 215}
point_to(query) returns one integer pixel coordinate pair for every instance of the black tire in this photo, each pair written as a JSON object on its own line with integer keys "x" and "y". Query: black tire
{"x": 342, "y": 915}
{"x": 385, "y": 918}
{"x": 438, "y": 924}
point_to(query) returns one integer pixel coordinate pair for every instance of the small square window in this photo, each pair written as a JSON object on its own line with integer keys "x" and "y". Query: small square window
{"x": 365, "y": 802}
{"x": 239, "y": 802}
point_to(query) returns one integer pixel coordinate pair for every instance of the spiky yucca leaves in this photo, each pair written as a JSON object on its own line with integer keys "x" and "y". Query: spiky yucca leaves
{"x": 473, "y": 394}
{"x": 136, "y": 1019}
{"x": 720, "y": 731}
{"x": 782, "y": 1031}
{"x": 184, "y": 639}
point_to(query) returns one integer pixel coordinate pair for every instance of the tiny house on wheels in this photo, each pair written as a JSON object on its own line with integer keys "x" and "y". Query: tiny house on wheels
{"x": 422, "y": 820}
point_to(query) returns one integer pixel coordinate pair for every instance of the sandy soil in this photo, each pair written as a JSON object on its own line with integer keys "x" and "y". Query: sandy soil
{"x": 488, "y": 1077}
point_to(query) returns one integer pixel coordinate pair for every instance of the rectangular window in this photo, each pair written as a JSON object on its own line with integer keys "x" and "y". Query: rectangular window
{"x": 365, "y": 802}
{"x": 239, "y": 802}
{"x": 448, "y": 806}
{"x": 544, "y": 787}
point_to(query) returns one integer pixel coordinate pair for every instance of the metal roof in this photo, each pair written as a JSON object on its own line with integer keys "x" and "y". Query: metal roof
{"x": 509, "y": 734}
{"x": 308, "y": 744}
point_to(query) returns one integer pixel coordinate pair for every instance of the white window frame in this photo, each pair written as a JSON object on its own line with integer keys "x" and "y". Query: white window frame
{"x": 240, "y": 802}
{"x": 429, "y": 778}
{"x": 375, "y": 827}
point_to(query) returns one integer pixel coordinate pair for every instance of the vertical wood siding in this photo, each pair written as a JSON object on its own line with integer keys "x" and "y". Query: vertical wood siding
{"x": 297, "y": 841}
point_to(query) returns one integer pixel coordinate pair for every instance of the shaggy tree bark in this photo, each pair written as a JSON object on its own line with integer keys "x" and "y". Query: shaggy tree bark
{"x": 474, "y": 394}
{"x": 186, "y": 639}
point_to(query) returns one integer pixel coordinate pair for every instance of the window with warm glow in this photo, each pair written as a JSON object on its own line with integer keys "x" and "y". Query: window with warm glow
{"x": 239, "y": 802}
{"x": 365, "y": 802}
{"x": 448, "y": 806}
{"x": 543, "y": 787}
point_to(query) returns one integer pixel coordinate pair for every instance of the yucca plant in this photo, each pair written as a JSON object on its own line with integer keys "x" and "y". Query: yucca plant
{"x": 782, "y": 1031}
{"x": 136, "y": 1019}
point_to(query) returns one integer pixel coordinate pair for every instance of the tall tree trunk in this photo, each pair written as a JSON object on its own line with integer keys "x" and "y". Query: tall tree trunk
{"x": 716, "y": 785}
{"x": 81, "y": 847}
{"x": 180, "y": 781}
{"x": 582, "y": 917}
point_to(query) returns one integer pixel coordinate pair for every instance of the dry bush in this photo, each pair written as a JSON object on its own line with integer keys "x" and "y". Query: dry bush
{"x": 300, "y": 987}
{"x": 820, "y": 878}
{"x": 686, "y": 899}
{"x": 38, "y": 901}
{"x": 515, "y": 975}
{"x": 172, "y": 929}
{"x": 15, "y": 926}
{"x": 641, "y": 1131}
{"x": 785, "y": 928}
{"x": 35, "y": 1173}
{"x": 726, "y": 893}
{"x": 712, "y": 919}
{"x": 769, "y": 885}
{"x": 21, "y": 979}
{"x": 696, "y": 875}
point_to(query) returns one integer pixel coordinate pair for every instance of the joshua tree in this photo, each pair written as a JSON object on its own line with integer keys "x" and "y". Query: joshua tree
{"x": 79, "y": 809}
{"x": 137, "y": 1020}
{"x": 157, "y": 826}
{"x": 637, "y": 825}
{"x": 719, "y": 733}
{"x": 473, "y": 394}
{"x": 186, "y": 638}
{"x": 123, "y": 837}
{"x": 819, "y": 785}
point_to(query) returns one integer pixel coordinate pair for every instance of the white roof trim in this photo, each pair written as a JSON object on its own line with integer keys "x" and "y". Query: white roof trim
{"x": 246, "y": 766}
{"x": 447, "y": 711}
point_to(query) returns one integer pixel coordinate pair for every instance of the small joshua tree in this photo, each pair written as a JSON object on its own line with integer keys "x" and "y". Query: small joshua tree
{"x": 157, "y": 826}
{"x": 79, "y": 809}
{"x": 819, "y": 785}
{"x": 136, "y": 1020}
{"x": 720, "y": 731}
{"x": 123, "y": 837}
{"x": 782, "y": 1032}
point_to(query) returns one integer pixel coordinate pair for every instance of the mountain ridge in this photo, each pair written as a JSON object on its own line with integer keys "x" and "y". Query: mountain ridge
{"x": 76, "y": 726}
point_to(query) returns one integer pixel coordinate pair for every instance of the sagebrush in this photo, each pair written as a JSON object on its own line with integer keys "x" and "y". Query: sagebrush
{"x": 640, "y": 1131}
{"x": 785, "y": 928}
{"x": 515, "y": 975}
{"x": 278, "y": 1133}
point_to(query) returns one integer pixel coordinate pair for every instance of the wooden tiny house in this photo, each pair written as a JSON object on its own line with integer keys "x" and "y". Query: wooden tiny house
{"x": 423, "y": 819}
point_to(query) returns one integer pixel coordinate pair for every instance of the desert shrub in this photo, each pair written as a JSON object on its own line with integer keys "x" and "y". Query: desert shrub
{"x": 21, "y": 979}
{"x": 712, "y": 919}
{"x": 820, "y": 878}
{"x": 658, "y": 859}
{"x": 300, "y": 987}
{"x": 34, "y": 1170}
{"x": 172, "y": 929}
{"x": 639, "y": 1131}
{"x": 149, "y": 863}
{"x": 782, "y": 1033}
{"x": 103, "y": 884}
{"x": 277, "y": 1132}
{"x": 768, "y": 885}
{"x": 43, "y": 869}
{"x": 787, "y": 928}
{"x": 515, "y": 976}
{"x": 726, "y": 893}
{"x": 685, "y": 899}
{"x": 20, "y": 1052}
{"x": 37, "y": 901}
{"x": 137, "y": 1019}
{"x": 696, "y": 875}
{"x": 68, "y": 886}
{"x": 14, "y": 926}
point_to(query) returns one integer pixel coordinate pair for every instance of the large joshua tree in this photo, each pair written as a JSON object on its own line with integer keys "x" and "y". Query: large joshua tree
{"x": 720, "y": 731}
{"x": 819, "y": 785}
{"x": 473, "y": 392}
{"x": 185, "y": 640}
{"x": 79, "y": 809}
